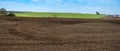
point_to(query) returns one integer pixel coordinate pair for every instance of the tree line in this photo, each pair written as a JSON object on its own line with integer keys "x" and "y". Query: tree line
{"x": 4, "y": 12}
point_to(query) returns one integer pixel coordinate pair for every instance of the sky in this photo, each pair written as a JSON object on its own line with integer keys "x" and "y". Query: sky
{"x": 72, "y": 6}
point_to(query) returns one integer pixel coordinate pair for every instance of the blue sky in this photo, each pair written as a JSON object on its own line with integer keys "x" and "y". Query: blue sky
{"x": 73, "y": 6}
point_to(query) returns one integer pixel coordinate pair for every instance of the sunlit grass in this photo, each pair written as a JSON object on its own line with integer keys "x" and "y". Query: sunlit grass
{"x": 57, "y": 15}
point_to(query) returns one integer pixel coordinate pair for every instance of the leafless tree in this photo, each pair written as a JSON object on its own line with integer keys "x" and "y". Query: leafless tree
{"x": 3, "y": 12}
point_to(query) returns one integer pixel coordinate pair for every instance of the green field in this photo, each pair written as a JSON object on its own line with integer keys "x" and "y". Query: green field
{"x": 57, "y": 15}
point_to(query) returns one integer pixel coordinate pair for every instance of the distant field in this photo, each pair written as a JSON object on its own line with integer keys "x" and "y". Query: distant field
{"x": 57, "y": 15}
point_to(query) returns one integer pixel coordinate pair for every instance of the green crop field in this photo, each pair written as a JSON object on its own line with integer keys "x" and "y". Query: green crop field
{"x": 57, "y": 15}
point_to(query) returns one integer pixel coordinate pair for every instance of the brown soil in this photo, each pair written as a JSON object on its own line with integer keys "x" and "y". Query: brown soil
{"x": 52, "y": 34}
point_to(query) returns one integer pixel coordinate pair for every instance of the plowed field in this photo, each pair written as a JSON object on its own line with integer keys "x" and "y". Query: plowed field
{"x": 53, "y": 34}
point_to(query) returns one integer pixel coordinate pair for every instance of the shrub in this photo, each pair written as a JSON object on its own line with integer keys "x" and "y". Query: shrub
{"x": 97, "y": 13}
{"x": 11, "y": 14}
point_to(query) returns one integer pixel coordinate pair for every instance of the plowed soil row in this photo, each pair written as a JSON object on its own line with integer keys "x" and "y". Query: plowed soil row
{"x": 53, "y": 34}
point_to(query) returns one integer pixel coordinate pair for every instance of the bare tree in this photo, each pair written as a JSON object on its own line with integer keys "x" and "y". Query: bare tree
{"x": 3, "y": 12}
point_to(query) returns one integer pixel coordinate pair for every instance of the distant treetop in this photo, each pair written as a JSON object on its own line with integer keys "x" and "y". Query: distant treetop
{"x": 97, "y": 13}
{"x": 3, "y": 12}
{"x": 2, "y": 9}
